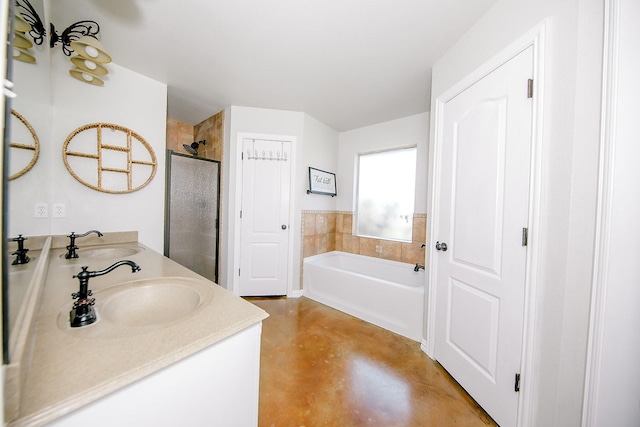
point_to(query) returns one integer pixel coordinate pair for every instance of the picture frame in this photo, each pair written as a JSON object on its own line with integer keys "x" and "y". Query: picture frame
{"x": 322, "y": 182}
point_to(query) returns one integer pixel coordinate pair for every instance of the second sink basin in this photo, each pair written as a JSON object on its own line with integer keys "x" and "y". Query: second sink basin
{"x": 101, "y": 253}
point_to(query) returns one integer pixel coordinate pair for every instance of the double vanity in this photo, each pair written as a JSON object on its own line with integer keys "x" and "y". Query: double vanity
{"x": 167, "y": 346}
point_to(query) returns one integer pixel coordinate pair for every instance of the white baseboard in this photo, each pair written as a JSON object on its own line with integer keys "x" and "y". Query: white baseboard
{"x": 296, "y": 293}
{"x": 423, "y": 346}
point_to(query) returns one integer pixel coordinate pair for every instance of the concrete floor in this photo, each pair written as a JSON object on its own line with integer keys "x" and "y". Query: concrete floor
{"x": 321, "y": 367}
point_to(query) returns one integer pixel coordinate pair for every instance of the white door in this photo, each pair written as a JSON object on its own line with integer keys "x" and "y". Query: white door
{"x": 264, "y": 244}
{"x": 480, "y": 258}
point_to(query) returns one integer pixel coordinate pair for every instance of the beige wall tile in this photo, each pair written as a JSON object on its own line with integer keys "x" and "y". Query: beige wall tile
{"x": 391, "y": 250}
{"x": 178, "y": 133}
{"x": 412, "y": 253}
{"x": 331, "y": 242}
{"x": 321, "y": 243}
{"x": 339, "y": 246}
{"x": 331, "y": 222}
{"x": 321, "y": 223}
{"x": 347, "y": 226}
{"x": 211, "y": 130}
{"x": 368, "y": 247}
{"x": 350, "y": 243}
{"x": 340, "y": 222}
{"x": 419, "y": 229}
{"x": 309, "y": 224}
{"x": 309, "y": 248}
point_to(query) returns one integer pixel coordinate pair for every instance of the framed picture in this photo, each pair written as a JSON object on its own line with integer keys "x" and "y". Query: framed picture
{"x": 322, "y": 182}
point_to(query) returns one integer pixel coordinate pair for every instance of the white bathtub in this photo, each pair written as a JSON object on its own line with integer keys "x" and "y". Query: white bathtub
{"x": 386, "y": 293}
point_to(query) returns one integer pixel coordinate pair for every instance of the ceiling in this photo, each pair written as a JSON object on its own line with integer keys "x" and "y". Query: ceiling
{"x": 347, "y": 63}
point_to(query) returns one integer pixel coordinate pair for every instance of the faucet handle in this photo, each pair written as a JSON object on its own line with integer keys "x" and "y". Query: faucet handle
{"x": 76, "y": 295}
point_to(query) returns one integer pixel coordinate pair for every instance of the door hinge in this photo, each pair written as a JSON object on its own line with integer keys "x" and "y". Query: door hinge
{"x": 516, "y": 386}
{"x": 525, "y": 236}
{"x": 240, "y": 214}
{"x": 530, "y": 88}
{"x": 242, "y": 155}
{"x": 238, "y": 272}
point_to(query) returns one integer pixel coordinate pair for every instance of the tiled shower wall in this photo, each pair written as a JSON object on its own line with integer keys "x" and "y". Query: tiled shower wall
{"x": 211, "y": 130}
{"x": 326, "y": 231}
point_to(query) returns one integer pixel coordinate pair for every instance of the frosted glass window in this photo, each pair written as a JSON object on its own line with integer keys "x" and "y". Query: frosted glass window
{"x": 386, "y": 192}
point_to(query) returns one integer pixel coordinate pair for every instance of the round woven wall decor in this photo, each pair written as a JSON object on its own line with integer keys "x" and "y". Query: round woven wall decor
{"x": 29, "y": 146}
{"x": 109, "y": 158}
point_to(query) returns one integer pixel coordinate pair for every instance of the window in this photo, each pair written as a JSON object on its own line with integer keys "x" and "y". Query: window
{"x": 386, "y": 191}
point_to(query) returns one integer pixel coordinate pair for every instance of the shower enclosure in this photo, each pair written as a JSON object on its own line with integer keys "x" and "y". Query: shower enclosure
{"x": 192, "y": 207}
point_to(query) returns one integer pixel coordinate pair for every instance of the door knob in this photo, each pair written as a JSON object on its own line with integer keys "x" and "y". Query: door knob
{"x": 284, "y": 227}
{"x": 441, "y": 246}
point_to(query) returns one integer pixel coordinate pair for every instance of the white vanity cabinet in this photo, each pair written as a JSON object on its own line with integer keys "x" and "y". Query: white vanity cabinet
{"x": 217, "y": 386}
{"x": 168, "y": 348}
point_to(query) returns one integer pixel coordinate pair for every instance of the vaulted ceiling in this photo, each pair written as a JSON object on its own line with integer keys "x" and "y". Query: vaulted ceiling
{"x": 348, "y": 63}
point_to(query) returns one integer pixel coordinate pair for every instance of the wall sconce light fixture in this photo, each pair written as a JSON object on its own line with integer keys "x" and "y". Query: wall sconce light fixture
{"x": 80, "y": 37}
{"x": 193, "y": 147}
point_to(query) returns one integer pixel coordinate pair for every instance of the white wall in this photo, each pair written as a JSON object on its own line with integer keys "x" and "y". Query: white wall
{"x": 320, "y": 151}
{"x": 570, "y": 150}
{"x": 127, "y": 99}
{"x": 407, "y": 131}
{"x": 33, "y": 102}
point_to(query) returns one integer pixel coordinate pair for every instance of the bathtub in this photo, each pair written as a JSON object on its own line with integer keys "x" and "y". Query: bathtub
{"x": 386, "y": 293}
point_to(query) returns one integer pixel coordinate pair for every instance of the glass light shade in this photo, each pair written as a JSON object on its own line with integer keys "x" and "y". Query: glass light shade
{"x": 89, "y": 66}
{"x": 90, "y": 48}
{"x": 23, "y": 56}
{"x": 86, "y": 77}
{"x": 19, "y": 40}
{"x": 19, "y": 24}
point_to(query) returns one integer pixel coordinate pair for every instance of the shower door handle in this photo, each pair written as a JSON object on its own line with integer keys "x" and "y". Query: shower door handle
{"x": 284, "y": 227}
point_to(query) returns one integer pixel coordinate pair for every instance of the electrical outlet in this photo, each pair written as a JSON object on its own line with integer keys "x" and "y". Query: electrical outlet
{"x": 59, "y": 210}
{"x": 41, "y": 210}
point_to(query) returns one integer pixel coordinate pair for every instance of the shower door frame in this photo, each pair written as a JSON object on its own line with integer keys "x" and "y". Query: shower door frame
{"x": 167, "y": 206}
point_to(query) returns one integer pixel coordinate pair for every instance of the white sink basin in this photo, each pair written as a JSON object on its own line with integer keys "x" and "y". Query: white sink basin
{"x": 151, "y": 304}
{"x": 141, "y": 306}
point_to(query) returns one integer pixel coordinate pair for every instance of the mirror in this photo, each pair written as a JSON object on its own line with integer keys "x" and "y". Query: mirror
{"x": 56, "y": 105}
{"x": 33, "y": 103}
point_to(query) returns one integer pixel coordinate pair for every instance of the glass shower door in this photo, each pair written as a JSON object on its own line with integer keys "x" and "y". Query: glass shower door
{"x": 191, "y": 214}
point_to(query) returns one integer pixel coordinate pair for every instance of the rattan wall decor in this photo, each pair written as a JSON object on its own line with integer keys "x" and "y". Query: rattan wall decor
{"x": 18, "y": 148}
{"x": 109, "y": 158}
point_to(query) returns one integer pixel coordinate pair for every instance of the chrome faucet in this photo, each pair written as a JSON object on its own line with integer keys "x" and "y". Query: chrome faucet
{"x": 418, "y": 267}
{"x": 71, "y": 249}
{"x": 82, "y": 313}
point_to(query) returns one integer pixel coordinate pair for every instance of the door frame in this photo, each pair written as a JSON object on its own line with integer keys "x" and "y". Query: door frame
{"x": 536, "y": 38}
{"x": 237, "y": 231}
{"x": 610, "y": 133}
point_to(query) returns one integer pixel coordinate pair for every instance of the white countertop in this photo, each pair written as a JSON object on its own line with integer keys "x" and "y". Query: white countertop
{"x": 71, "y": 367}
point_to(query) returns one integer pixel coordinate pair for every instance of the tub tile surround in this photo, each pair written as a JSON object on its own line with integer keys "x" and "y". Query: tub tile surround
{"x": 64, "y": 371}
{"x": 326, "y": 231}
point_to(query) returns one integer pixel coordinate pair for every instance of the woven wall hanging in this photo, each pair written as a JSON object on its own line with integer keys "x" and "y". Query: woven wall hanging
{"x": 109, "y": 158}
{"x": 26, "y": 151}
